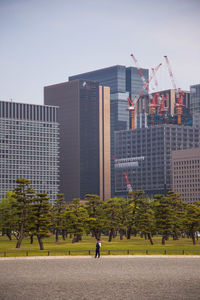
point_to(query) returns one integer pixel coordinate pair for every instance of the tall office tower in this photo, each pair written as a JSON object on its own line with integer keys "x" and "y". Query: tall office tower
{"x": 186, "y": 174}
{"x": 145, "y": 155}
{"x": 29, "y": 145}
{"x": 195, "y": 98}
{"x": 123, "y": 82}
{"x": 84, "y": 117}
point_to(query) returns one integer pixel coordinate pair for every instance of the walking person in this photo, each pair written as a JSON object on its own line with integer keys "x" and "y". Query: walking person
{"x": 98, "y": 247}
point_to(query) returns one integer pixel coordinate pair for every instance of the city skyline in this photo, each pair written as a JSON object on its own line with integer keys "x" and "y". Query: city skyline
{"x": 44, "y": 42}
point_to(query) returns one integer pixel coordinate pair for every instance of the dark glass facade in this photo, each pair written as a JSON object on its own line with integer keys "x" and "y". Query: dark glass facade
{"x": 123, "y": 82}
{"x": 81, "y": 137}
{"x": 195, "y": 98}
{"x": 134, "y": 84}
{"x": 114, "y": 77}
{"x": 151, "y": 149}
{"x": 89, "y": 139}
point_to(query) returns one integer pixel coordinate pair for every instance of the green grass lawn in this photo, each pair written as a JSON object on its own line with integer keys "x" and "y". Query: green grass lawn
{"x": 136, "y": 245}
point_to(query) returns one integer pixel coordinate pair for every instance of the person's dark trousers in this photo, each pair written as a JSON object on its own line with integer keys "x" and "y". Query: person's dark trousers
{"x": 97, "y": 253}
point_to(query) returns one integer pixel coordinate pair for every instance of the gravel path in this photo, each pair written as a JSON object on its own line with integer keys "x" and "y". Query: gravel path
{"x": 84, "y": 278}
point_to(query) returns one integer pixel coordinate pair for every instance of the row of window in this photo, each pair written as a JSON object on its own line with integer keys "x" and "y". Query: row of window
{"x": 27, "y": 112}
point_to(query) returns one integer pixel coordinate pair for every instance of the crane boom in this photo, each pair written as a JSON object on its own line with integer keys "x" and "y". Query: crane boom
{"x": 170, "y": 72}
{"x": 140, "y": 72}
{"x": 146, "y": 84}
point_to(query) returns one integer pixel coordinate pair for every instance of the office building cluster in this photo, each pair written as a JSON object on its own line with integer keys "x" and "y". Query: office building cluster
{"x": 90, "y": 137}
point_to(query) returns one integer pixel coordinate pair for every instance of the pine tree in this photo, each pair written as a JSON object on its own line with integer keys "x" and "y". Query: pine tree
{"x": 58, "y": 215}
{"x": 40, "y": 219}
{"x": 145, "y": 218}
{"x": 113, "y": 213}
{"x": 23, "y": 195}
{"x": 164, "y": 217}
{"x": 96, "y": 214}
{"x": 8, "y": 221}
{"x": 192, "y": 220}
{"x": 76, "y": 219}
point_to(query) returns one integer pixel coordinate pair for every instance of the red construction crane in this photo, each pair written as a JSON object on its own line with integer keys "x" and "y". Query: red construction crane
{"x": 155, "y": 79}
{"x": 179, "y": 93}
{"x": 140, "y": 72}
{"x": 132, "y": 103}
{"x": 162, "y": 107}
{"x": 131, "y": 109}
{"x": 128, "y": 185}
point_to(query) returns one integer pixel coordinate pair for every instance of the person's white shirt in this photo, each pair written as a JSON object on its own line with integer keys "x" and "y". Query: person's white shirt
{"x": 99, "y": 244}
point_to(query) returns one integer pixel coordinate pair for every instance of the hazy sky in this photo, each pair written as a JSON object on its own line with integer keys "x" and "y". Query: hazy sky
{"x": 42, "y": 42}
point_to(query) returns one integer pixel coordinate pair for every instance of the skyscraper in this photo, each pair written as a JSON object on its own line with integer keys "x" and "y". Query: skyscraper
{"x": 29, "y": 145}
{"x": 84, "y": 117}
{"x": 195, "y": 98}
{"x": 123, "y": 82}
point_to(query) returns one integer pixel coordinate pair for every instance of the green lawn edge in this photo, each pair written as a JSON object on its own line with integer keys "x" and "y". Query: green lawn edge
{"x": 134, "y": 246}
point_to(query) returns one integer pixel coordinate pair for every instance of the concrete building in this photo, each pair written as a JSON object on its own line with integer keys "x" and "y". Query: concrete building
{"x": 29, "y": 147}
{"x": 195, "y": 98}
{"x": 123, "y": 82}
{"x": 145, "y": 155}
{"x": 186, "y": 174}
{"x": 84, "y": 118}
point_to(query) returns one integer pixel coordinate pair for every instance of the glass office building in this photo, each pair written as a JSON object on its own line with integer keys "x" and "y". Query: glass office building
{"x": 29, "y": 147}
{"x": 195, "y": 98}
{"x": 84, "y": 118}
{"x": 150, "y": 150}
{"x": 123, "y": 82}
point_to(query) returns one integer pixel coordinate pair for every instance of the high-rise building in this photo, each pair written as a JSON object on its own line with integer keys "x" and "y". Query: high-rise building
{"x": 186, "y": 174}
{"x": 123, "y": 82}
{"x": 145, "y": 155}
{"x": 195, "y": 98}
{"x": 29, "y": 147}
{"x": 84, "y": 117}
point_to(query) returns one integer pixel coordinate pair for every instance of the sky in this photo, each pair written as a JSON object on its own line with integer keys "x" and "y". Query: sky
{"x": 43, "y": 42}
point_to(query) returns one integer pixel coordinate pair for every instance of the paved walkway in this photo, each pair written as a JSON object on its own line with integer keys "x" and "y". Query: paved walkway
{"x": 110, "y": 277}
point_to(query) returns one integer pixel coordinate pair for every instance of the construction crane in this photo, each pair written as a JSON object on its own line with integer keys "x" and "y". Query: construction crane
{"x": 163, "y": 109}
{"x": 131, "y": 109}
{"x": 128, "y": 185}
{"x": 178, "y": 92}
{"x": 154, "y": 101}
{"x": 140, "y": 72}
{"x": 132, "y": 103}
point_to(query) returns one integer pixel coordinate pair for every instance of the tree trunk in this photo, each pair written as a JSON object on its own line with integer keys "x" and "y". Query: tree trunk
{"x": 193, "y": 238}
{"x": 31, "y": 239}
{"x": 77, "y": 238}
{"x": 40, "y": 242}
{"x": 110, "y": 235}
{"x": 150, "y": 239}
{"x": 63, "y": 235}
{"x": 163, "y": 240}
{"x": 9, "y": 235}
{"x": 121, "y": 233}
{"x": 175, "y": 235}
{"x": 57, "y": 235}
{"x": 19, "y": 241}
{"x": 128, "y": 235}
